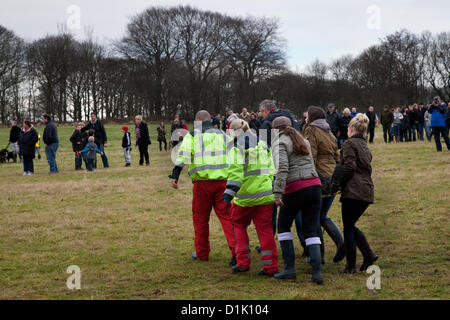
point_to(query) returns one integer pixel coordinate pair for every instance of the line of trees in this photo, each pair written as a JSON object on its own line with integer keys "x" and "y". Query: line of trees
{"x": 181, "y": 59}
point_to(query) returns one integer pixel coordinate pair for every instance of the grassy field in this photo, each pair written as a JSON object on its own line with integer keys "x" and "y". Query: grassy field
{"x": 132, "y": 235}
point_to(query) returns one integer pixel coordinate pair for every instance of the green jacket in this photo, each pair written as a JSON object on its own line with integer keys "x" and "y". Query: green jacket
{"x": 250, "y": 173}
{"x": 205, "y": 153}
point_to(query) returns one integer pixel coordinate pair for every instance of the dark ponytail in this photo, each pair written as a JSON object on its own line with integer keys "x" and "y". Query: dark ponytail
{"x": 299, "y": 143}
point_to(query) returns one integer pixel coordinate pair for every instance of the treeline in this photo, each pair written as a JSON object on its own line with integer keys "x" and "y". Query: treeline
{"x": 181, "y": 59}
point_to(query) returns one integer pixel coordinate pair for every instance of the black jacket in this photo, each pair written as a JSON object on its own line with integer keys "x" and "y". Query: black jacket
{"x": 420, "y": 115}
{"x": 267, "y": 123}
{"x": 145, "y": 137}
{"x": 333, "y": 121}
{"x": 99, "y": 131}
{"x": 372, "y": 119}
{"x": 126, "y": 140}
{"x": 14, "y": 134}
{"x": 412, "y": 117}
{"x": 50, "y": 134}
{"x": 343, "y": 126}
{"x": 75, "y": 138}
{"x": 27, "y": 142}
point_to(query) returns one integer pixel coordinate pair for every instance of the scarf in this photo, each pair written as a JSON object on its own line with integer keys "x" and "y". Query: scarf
{"x": 322, "y": 124}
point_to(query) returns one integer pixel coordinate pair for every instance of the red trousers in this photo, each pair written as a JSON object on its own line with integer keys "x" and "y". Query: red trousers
{"x": 262, "y": 218}
{"x": 208, "y": 195}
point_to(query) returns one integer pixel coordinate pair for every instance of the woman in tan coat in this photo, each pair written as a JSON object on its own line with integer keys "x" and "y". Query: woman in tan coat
{"x": 325, "y": 153}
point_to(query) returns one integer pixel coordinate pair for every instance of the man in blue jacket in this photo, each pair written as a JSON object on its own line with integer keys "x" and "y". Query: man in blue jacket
{"x": 50, "y": 137}
{"x": 438, "y": 125}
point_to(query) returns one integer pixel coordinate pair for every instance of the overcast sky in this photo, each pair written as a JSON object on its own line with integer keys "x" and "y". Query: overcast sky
{"x": 323, "y": 29}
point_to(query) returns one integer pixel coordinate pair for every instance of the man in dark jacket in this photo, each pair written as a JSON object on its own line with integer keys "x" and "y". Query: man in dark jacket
{"x": 420, "y": 116}
{"x": 333, "y": 119}
{"x": 27, "y": 142}
{"x": 372, "y": 123}
{"x": 270, "y": 113}
{"x": 387, "y": 119}
{"x": 100, "y": 137}
{"x": 50, "y": 137}
{"x": 413, "y": 121}
{"x": 142, "y": 140}
{"x": 13, "y": 140}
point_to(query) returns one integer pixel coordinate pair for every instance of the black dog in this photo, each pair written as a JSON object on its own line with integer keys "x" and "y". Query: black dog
{"x": 5, "y": 155}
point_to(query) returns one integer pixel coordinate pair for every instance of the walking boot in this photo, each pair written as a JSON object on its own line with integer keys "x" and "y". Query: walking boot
{"x": 335, "y": 234}
{"x": 305, "y": 250}
{"x": 350, "y": 252}
{"x": 314, "y": 251}
{"x": 322, "y": 245}
{"x": 369, "y": 256}
{"x": 232, "y": 261}
{"x": 287, "y": 248}
{"x": 237, "y": 269}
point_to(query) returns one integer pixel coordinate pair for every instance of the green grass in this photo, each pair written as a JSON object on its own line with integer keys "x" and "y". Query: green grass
{"x": 132, "y": 235}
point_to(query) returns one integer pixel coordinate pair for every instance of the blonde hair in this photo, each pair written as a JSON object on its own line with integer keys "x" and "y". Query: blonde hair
{"x": 238, "y": 127}
{"x": 360, "y": 122}
{"x": 91, "y": 139}
{"x": 346, "y": 111}
{"x": 139, "y": 117}
{"x": 80, "y": 124}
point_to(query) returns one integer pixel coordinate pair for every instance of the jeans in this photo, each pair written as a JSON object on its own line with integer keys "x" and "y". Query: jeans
{"x": 28, "y": 164}
{"x": 160, "y": 144}
{"x": 50, "y": 152}
{"x": 427, "y": 131}
{"x": 104, "y": 158}
{"x": 127, "y": 156}
{"x": 38, "y": 151}
{"x": 412, "y": 132}
{"x": 90, "y": 164}
{"x": 420, "y": 127}
{"x": 437, "y": 131}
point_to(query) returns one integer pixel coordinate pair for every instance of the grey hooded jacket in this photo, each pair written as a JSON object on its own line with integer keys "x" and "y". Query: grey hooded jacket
{"x": 288, "y": 165}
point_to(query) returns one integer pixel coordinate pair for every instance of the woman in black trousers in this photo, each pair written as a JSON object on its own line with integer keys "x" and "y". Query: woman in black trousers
{"x": 142, "y": 140}
{"x": 357, "y": 192}
{"x": 297, "y": 187}
{"x": 27, "y": 142}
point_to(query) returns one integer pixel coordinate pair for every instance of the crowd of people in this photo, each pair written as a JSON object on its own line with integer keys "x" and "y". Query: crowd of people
{"x": 299, "y": 169}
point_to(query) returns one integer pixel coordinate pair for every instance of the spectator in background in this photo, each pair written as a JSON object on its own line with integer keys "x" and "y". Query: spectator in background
{"x": 372, "y": 123}
{"x": 162, "y": 136}
{"x": 387, "y": 119}
{"x": 427, "y": 124}
{"x": 13, "y": 140}
{"x": 50, "y": 137}
{"x": 215, "y": 120}
{"x": 176, "y": 126}
{"x": 231, "y": 116}
{"x": 77, "y": 145}
{"x": 303, "y": 121}
{"x": 438, "y": 125}
{"x": 254, "y": 123}
{"x": 245, "y": 115}
{"x": 142, "y": 140}
{"x": 447, "y": 116}
{"x": 27, "y": 141}
{"x": 354, "y": 112}
{"x": 183, "y": 123}
{"x": 397, "y": 124}
{"x": 420, "y": 116}
{"x": 333, "y": 119}
{"x": 100, "y": 137}
{"x": 405, "y": 126}
{"x": 38, "y": 146}
{"x": 413, "y": 122}
{"x": 343, "y": 126}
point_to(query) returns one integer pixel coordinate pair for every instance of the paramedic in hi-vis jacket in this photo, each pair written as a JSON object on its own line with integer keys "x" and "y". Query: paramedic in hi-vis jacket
{"x": 204, "y": 150}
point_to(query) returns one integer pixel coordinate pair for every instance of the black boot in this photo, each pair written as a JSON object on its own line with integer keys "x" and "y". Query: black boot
{"x": 335, "y": 234}
{"x": 233, "y": 261}
{"x": 305, "y": 250}
{"x": 314, "y": 252}
{"x": 350, "y": 252}
{"x": 322, "y": 245}
{"x": 237, "y": 269}
{"x": 369, "y": 256}
{"x": 287, "y": 248}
